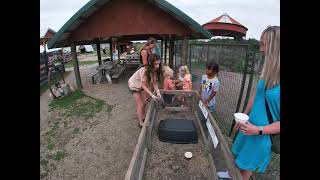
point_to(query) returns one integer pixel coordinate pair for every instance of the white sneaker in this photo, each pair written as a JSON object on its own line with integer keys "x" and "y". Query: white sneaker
{"x": 224, "y": 175}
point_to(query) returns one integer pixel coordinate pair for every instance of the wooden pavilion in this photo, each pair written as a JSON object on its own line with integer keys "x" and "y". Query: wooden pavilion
{"x": 116, "y": 21}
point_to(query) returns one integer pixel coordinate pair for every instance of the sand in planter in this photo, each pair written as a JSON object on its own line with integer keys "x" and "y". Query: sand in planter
{"x": 167, "y": 161}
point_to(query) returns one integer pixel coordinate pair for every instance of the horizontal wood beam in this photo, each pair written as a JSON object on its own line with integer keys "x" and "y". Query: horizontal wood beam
{"x": 178, "y": 92}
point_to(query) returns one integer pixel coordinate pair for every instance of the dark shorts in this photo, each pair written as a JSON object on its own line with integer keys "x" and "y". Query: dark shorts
{"x": 134, "y": 91}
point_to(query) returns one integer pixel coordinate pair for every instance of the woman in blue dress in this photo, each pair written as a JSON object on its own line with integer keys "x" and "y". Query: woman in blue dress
{"x": 252, "y": 146}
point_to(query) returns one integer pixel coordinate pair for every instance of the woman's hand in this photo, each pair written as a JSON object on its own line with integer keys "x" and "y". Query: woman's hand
{"x": 155, "y": 98}
{"x": 158, "y": 93}
{"x": 249, "y": 129}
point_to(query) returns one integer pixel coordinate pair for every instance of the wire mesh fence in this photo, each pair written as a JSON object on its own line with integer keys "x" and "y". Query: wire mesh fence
{"x": 240, "y": 67}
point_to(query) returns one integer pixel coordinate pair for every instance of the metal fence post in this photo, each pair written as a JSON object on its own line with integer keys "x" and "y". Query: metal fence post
{"x": 252, "y": 59}
{"x": 241, "y": 89}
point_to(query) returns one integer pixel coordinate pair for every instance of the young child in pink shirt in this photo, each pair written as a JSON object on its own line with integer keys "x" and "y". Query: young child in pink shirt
{"x": 185, "y": 75}
{"x": 168, "y": 84}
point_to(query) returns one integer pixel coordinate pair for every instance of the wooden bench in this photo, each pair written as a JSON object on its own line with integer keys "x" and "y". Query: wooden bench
{"x": 116, "y": 76}
{"x": 93, "y": 74}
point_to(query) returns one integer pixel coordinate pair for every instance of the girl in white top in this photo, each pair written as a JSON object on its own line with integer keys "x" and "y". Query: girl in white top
{"x": 142, "y": 81}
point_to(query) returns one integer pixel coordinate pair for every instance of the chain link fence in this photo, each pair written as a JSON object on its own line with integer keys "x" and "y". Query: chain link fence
{"x": 240, "y": 67}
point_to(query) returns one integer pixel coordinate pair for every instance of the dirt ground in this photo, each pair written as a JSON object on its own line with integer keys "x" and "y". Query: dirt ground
{"x": 167, "y": 161}
{"x": 104, "y": 146}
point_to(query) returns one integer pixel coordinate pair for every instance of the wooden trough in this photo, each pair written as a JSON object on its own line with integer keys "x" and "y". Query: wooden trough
{"x": 215, "y": 148}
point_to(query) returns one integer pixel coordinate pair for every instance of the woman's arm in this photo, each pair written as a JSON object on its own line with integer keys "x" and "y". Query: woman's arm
{"x": 273, "y": 128}
{"x": 251, "y": 100}
{"x": 250, "y": 129}
{"x": 145, "y": 87}
{"x": 248, "y": 108}
{"x": 155, "y": 86}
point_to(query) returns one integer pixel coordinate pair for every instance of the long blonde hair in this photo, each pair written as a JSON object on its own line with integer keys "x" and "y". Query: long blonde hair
{"x": 271, "y": 68}
{"x": 184, "y": 69}
{"x": 167, "y": 72}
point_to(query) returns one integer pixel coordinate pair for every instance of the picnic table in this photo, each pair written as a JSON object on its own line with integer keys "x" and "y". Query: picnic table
{"x": 105, "y": 69}
{"x": 109, "y": 69}
{"x": 131, "y": 59}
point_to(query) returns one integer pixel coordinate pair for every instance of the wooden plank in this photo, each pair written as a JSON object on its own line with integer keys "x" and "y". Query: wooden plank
{"x": 213, "y": 167}
{"x": 178, "y": 109}
{"x": 208, "y": 146}
{"x": 134, "y": 163}
{"x": 76, "y": 66}
{"x": 118, "y": 74}
{"x": 177, "y": 92}
{"x": 134, "y": 160}
{"x": 235, "y": 173}
{"x": 149, "y": 129}
{"x": 143, "y": 163}
{"x": 201, "y": 128}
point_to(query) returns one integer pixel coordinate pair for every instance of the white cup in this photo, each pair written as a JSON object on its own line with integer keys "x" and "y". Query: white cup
{"x": 241, "y": 118}
{"x": 188, "y": 155}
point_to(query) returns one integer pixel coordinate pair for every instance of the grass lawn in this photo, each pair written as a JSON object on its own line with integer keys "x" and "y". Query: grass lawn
{"x": 44, "y": 87}
{"x": 81, "y": 63}
{"x": 73, "y": 114}
{"x": 73, "y": 107}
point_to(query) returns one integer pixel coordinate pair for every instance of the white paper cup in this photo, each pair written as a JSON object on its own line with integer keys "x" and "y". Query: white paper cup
{"x": 241, "y": 118}
{"x": 188, "y": 155}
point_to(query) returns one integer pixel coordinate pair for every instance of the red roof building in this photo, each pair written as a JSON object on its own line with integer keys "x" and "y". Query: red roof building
{"x": 225, "y": 25}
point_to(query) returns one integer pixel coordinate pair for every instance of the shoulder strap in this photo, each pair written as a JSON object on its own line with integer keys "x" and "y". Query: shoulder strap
{"x": 267, "y": 108}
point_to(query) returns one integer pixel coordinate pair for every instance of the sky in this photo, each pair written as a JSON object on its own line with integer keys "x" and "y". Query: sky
{"x": 256, "y": 15}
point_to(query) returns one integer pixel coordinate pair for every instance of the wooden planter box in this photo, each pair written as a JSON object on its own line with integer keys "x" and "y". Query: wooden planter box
{"x": 144, "y": 145}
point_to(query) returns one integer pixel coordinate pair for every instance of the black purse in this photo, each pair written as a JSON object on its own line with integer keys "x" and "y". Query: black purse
{"x": 275, "y": 138}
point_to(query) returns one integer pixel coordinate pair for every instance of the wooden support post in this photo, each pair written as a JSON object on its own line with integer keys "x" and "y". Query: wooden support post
{"x": 171, "y": 52}
{"x": 184, "y": 52}
{"x": 165, "y": 50}
{"x": 99, "y": 53}
{"x": 76, "y": 66}
{"x": 111, "y": 53}
{"x": 208, "y": 49}
{"x": 162, "y": 48}
{"x": 45, "y": 56}
{"x": 190, "y": 58}
{"x": 118, "y": 47}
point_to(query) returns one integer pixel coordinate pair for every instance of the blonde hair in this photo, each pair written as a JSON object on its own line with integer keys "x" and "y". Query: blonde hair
{"x": 270, "y": 38}
{"x": 184, "y": 69}
{"x": 167, "y": 71}
{"x": 151, "y": 40}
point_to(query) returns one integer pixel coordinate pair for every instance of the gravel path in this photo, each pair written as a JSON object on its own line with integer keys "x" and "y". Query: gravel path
{"x": 104, "y": 150}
